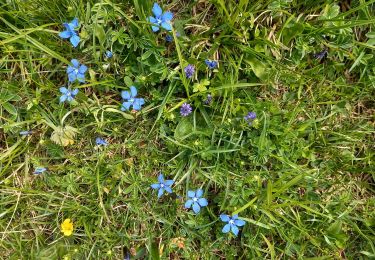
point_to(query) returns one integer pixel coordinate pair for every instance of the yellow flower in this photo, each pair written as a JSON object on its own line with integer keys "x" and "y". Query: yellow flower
{"x": 67, "y": 227}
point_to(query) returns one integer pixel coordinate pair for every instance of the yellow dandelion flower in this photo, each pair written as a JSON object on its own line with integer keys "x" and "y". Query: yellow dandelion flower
{"x": 67, "y": 227}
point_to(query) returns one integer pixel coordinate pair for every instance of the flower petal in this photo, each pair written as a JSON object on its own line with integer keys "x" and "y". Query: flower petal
{"x": 224, "y": 218}
{"x": 133, "y": 91}
{"x": 155, "y": 186}
{"x": 191, "y": 194}
{"x": 74, "y": 22}
{"x": 199, "y": 193}
{"x": 72, "y": 77}
{"x": 203, "y": 202}
{"x": 65, "y": 34}
{"x": 235, "y": 217}
{"x": 156, "y": 10}
{"x": 75, "y": 40}
{"x": 234, "y": 229}
{"x": 63, "y": 98}
{"x": 152, "y": 19}
{"x": 82, "y": 69}
{"x": 239, "y": 222}
{"x": 155, "y": 28}
{"x": 69, "y": 98}
{"x": 64, "y": 90}
{"x": 136, "y": 106}
{"x": 168, "y": 182}
{"x": 140, "y": 101}
{"x": 161, "y": 178}
{"x": 74, "y": 92}
{"x": 81, "y": 77}
{"x": 160, "y": 192}
{"x": 75, "y": 63}
{"x": 168, "y": 189}
{"x": 196, "y": 208}
{"x": 167, "y": 16}
{"x": 125, "y": 94}
{"x": 188, "y": 204}
{"x": 226, "y": 228}
{"x": 125, "y": 106}
{"x": 167, "y": 26}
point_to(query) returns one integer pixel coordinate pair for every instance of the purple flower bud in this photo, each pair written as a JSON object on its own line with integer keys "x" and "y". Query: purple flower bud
{"x": 189, "y": 71}
{"x": 250, "y": 116}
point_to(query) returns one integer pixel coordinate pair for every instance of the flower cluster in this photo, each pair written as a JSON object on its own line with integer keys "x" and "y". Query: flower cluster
{"x": 250, "y": 117}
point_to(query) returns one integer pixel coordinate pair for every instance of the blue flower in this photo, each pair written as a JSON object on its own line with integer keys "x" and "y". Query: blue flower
{"x": 163, "y": 185}
{"x": 76, "y": 72}
{"x": 196, "y": 200}
{"x": 39, "y": 170}
{"x": 27, "y": 132}
{"x": 67, "y": 94}
{"x": 233, "y": 223}
{"x": 169, "y": 38}
{"x": 101, "y": 141}
{"x": 250, "y": 117}
{"x": 211, "y": 64}
{"x": 185, "y": 109}
{"x": 208, "y": 99}
{"x": 108, "y": 54}
{"x": 131, "y": 100}
{"x": 160, "y": 19}
{"x": 70, "y": 32}
{"x": 189, "y": 71}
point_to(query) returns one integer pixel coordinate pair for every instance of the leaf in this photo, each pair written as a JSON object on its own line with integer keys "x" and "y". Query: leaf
{"x": 64, "y": 135}
{"x": 183, "y": 128}
{"x": 330, "y": 11}
{"x": 110, "y": 109}
{"x": 258, "y": 67}
{"x": 10, "y": 108}
{"x": 54, "y": 150}
{"x": 201, "y": 86}
{"x": 128, "y": 81}
{"x": 100, "y": 33}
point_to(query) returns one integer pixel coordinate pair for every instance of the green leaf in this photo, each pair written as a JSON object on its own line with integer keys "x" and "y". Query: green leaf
{"x": 201, "y": 86}
{"x": 64, "y": 135}
{"x": 100, "y": 33}
{"x": 183, "y": 128}
{"x": 10, "y": 108}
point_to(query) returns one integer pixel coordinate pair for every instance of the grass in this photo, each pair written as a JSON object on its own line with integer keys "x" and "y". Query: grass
{"x": 301, "y": 175}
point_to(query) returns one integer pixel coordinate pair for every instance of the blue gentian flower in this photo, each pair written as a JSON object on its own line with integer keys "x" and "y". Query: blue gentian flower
{"x": 39, "y": 170}
{"x": 211, "y": 64}
{"x": 131, "y": 100}
{"x": 160, "y": 19}
{"x": 108, "y": 54}
{"x": 196, "y": 200}
{"x": 70, "y": 32}
{"x": 189, "y": 71}
{"x": 233, "y": 223}
{"x": 101, "y": 141}
{"x": 185, "y": 109}
{"x": 76, "y": 72}
{"x": 27, "y": 132}
{"x": 163, "y": 185}
{"x": 67, "y": 94}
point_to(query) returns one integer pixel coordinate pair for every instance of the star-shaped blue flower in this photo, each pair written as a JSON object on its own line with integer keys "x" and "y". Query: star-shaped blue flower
{"x": 67, "y": 94}
{"x": 100, "y": 141}
{"x": 76, "y": 72}
{"x": 196, "y": 200}
{"x": 70, "y": 32}
{"x": 131, "y": 100}
{"x": 163, "y": 185}
{"x": 211, "y": 64}
{"x": 39, "y": 170}
{"x": 233, "y": 223}
{"x": 160, "y": 19}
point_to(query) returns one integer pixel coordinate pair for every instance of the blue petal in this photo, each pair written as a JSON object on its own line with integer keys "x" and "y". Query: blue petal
{"x": 168, "y": 189}
{"x": 74, "y": 22}
{"x": 25, "y": 132}
{"x": 39, "y": 170}
{"x": 75, "y": 40}
{"x": 234, "y": 229}
{"x": 203, "y": 202}
{"x": 64, "y": 90}
{"x": 63, "y": 98}
{"x": 169, "y": 182}
{"x": 191, "y": 194}
{"x": 226, "y": 228}
{"x": 139, "y": 101}
{"x": 82, "y": 69}
{"x": 155, "y": 186}
{"x": 188, "y": 204}
{"x": 75, "y": 63}
{"x": 239, "y": 222}
{"x": 199, "y": 193}
{"x": 75, "y": 92}
{"x": 224, "y": 218}
{"x": 235, "y": 217}
{"x": 196, "y": 208}
{"x": 69, "y": 98}
{"x": 152, "y": 20}
{"x": 125, "y": 106}
{"x": 161, "y": 178}
{"x": 81, "y": 77}
{"x": 65, "y": 34}
{"x": 161, "y": 191}
{"x": 136, "y": 106}
{"x": 167, "y": 16}
{"x": 125, "y": 94}
{"x": 167, "y": 26}
{"x": 133, "y": 91}
{"x": 70, "y": 69}
{"x": 156, "y": 10}
{"x": 72, "y": 77}
{"x": 155, "y": 28}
